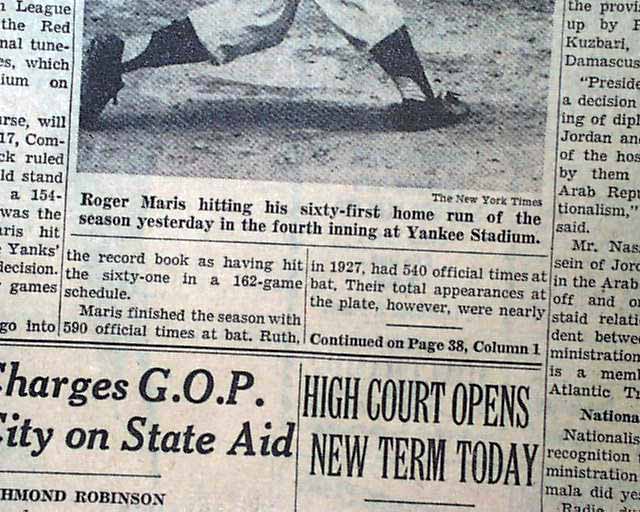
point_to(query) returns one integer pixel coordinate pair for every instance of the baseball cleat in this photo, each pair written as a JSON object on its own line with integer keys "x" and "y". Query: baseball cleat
{"x": 444, "y": 110}
{"x": 101, "y": 78}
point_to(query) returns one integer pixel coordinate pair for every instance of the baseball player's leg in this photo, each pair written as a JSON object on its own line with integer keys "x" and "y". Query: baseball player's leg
{"x": 379, "y": 26}
{"x": 364, "y": 22}
{"x": 176, "y": 43}
{"x": 219, "y": 32}
{"x": 232, "y": 28}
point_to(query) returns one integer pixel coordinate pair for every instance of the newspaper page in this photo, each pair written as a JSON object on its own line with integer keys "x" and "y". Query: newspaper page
{"x": 282, "y": 255}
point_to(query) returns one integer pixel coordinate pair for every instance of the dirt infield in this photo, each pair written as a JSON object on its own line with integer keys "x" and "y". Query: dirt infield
{"x": 314, "y": 109}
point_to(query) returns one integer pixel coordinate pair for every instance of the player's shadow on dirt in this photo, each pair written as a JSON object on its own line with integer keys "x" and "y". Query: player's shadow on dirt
{"x": 251, "y": 114}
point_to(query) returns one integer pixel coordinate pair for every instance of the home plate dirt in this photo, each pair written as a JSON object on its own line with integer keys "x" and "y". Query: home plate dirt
{"x": 315, "y": 109}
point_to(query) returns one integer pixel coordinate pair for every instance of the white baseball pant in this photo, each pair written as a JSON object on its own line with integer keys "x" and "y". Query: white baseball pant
{"x": 232, "y": 28}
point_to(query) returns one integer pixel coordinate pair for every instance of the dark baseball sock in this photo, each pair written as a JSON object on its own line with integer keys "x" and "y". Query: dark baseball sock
{"x": 177, "y": 43}
{"x": 397, "y": 56}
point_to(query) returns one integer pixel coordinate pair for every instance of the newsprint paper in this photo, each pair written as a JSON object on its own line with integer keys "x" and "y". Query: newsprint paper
{"x": 319, "y": 255}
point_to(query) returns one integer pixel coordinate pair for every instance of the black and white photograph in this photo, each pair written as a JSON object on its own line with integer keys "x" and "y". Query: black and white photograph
{"x": 402, "y": 93}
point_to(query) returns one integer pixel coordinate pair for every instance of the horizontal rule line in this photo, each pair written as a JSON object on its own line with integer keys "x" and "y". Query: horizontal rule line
{"x": 319, "y": 246}
{"x": 273, "y": 356}
{"x": 276, "y": 353}
{"x": 419, "y": 326}
{"x": 421, "y": 503}
{"x": 75, "y": 473}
